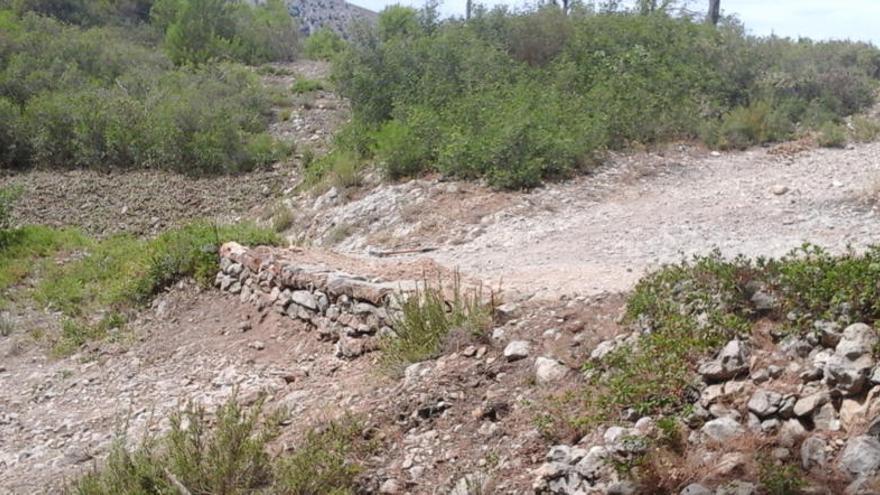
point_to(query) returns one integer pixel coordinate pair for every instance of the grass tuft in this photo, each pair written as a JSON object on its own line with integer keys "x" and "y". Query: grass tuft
{"x": 427, "y": 317}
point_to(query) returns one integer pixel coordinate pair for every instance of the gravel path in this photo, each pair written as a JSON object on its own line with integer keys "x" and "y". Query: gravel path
{"x": 602, "y": 233}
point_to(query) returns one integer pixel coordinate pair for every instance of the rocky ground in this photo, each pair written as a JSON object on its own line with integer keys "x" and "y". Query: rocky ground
{"x": 564, "y": 257}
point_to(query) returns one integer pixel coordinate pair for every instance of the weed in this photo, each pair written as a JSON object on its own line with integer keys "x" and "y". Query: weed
{"x": 228, "y": 456}
{"x": 337, "y": 169}
{"x": 864, "y": 129}
{"x": 427, "y": 316}
{"x": 7, "y": 326}
{"x": 832, "y": 135}
{"x": 339, "y": 233}
{"x": 322, "y": 463}
{"x": 780, "y": 479}
{"x": 282, "y": 218}
{"x": 303, "y": 86}
{"x": 285, "y": 114}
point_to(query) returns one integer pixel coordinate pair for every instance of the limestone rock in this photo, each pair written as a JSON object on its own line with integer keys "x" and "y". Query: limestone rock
{"x": 861, "y": 456}
{"x": 549, "y": 370}
{"x": 516, "y": 350}
{"x": 722, "y": 429}
{"x": 731, "y": 361}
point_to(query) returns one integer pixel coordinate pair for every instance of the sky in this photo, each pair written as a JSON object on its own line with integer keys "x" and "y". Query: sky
{"x": 817, "y": 19}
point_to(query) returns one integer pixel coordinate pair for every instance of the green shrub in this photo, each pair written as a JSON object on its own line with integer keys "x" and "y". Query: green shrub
{"x": 526, "y": 96}
{"x": 864, "y": 129}
{"x": 197, "y": 31}
{"x": 425, "y": 319}
{"x": 340, "y": 169}
{"x": 228, "y": 455}
{"x": 117, "y": 103}
{"x": 228, "y": 458}
{"x": 323, "y": 44}
{"x": 302, "y": 86}
{"x": 748, "y": 126}
{"x": 323, "y": 462}
{"x": 832, "y": 135}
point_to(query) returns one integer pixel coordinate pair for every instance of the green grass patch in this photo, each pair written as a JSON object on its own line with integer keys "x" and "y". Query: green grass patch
{"x": 227, "y": 455}
{"x": 21, "y": 250}
{"x": 82, "y": 277}
{"x": 124, "y": 271}
{"x": 302, "y": 86}
{"x": 428, "y": 316}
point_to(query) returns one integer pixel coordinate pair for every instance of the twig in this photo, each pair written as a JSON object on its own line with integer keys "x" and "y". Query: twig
{"x": 403, "y": 251}
{"x": 177, "y": 484}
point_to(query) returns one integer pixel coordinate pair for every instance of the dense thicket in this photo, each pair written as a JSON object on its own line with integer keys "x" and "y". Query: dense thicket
{"x": 519, "y": 97}
{"x": 108, "y": 96}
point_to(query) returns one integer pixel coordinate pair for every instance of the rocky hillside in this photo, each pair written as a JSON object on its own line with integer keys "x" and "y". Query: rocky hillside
{"x": 338, "y": 15}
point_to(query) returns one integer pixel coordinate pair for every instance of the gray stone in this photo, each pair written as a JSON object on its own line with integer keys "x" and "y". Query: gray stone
{"x": 516, "y": 350}
{"x": 722, "y": 429}
{"x": 390, "y": 487}
{"x": 737, "y": 487}
{"x": 857, "y": 340}
{"x": 695, "y": 489}
{"x": 603, "y": 349}
{"x": 847, "y": 375}
{"x": 795, "y": 347}
{"x": 861, "y": 456}
{"x": 813, "y": 453}
{"x": 549, "y": 370}
{"x": 806, "y": 405}
{"x": 730, "y": 362}
{"x": 828, "y": 332}
{"x": 506, "y": 311}
{"x": 305, "y": 299}
{"x": 825, "y": 418}
{"x": 791, "y": 432}
{"x": 764, "y": 403}
{"x": 875, "y": 375}
{"x": 764, "y": 301}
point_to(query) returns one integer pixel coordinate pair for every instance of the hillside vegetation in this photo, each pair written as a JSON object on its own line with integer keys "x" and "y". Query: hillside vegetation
{"x": 518, "y": 97}
{"x": 117, "y": 85}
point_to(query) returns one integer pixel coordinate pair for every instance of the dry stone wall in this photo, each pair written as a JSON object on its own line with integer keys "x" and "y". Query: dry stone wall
{"x": 350, "y": 310}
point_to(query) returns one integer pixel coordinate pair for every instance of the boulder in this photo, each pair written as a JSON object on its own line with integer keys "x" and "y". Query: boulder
{"x": 849, "y": 376}
{"x": 730, "y": 362}
{"x": 806, "y": 405}
{"x": 857, "y": 340}
{"x": 723, "y": 428}
{"x": 516, "y": 350}
{"x": 813, "y": 453}
{"x": 548, "y": 370}
{"x": 764, "y": 403}
{"x": 861, "y": 456}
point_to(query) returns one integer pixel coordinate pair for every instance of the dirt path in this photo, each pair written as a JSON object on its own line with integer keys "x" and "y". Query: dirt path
{"x": 602, "y": 233}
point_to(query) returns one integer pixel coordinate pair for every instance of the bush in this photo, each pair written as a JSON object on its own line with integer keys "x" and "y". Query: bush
{"x": 228, "y": 456}
{"x": 117, "y": 104}
{"x": 197, "y": 31}
{"x": 748, "y": 126}
{"x": 323, "y": 44}
{"x": 864, "y": 129}
{"x": 832, "y": 135}
{"x": 522, "y": 97}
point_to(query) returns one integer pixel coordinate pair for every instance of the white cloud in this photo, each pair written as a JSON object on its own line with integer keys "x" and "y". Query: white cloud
{"x": 817, "y": 19}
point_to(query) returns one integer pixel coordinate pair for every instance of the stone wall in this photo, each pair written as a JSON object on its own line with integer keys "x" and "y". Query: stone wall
{"x": 350, "y": 310}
